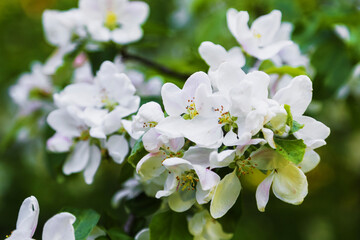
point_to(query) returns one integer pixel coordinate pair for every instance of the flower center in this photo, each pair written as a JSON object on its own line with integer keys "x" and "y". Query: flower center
{"x": 111, "y": 20}
{"x": 187, "y": 180}
{"x": 109, "y": 104}
{"x": 191, "y": 110}
{"x": 149, "y": 124}
{"x": 245, "y": 166}
{"x": 256, "y": 35}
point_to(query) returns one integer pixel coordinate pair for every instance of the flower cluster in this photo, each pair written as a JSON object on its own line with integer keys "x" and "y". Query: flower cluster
{"x": 230, "y": 119}
{"x": 200, "y": 140}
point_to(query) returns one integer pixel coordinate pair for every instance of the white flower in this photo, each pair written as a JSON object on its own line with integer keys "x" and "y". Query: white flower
{"x": 31, "y": 88}
{"x": 61, "y": 27}
{"x": 117, "y": 20}
{"x": 298, "y": 95}
{"x": 70, "y": 126}
{"x": 203, "y": 227}
{"x": 214, "y": 55}
{"x": 58, "y": 227}
{"x": 194, "y": 111}
{"x": 259, "y": 40}
{"x": 106, "y": 101}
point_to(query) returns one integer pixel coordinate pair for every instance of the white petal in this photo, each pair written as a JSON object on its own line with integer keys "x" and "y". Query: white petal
{"x": 135, "y": 12}
{"x": 198, "y": 156}
{"x": 150, "y": 165}
{"x": 229, "y": 76}
{"x": 118, "y": 148}
{"x": 59, "y": 143}
{"x": 59, "y": 227}
{"x": 213, "y": 54}
{"x": 173, "y": 100}
{"x": 267, "y": 26}
{"x": 269, "y": 137}
{"x": 78, "y": 159}
{"x": 222, "y": 159}
{"x": 208, "y": 179}
{"x": 61, "y": 121}
{"x": 225, "y": 195}
{"x": 262, "y": 192}
{"x": 310, "y": 161}
{"x": 297, "y": 95}
{"x": 80, "y": 94}
{"x": 290, "y": 184}
{"x": 313, "y": 133}
{"x": 28, "y": 217}
{"x": 93, "y": 164}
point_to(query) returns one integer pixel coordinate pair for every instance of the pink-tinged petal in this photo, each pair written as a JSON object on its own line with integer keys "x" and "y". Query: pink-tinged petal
{"x": 118, "y": 148}
{"x": 28, "y": 217}
{"x": 93, "y": 164}
{"x": 152, "y": 140}
{"x": 297, "y": 95}
{"x": 263, "y": 191}
{"x": 59, "y": 143}
{"x": 208, "y": 179}
{"x": 176, "y": 144}
{"x": 59, "y": 227}
{"x": 78, "y": 159}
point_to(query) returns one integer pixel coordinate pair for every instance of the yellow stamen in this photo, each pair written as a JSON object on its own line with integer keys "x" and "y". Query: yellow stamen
{"x": 111, "y": 20}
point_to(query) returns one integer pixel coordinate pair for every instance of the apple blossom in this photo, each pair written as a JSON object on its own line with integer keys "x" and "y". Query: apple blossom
{"x": 117, "y": 20}
{"x": 259, "y": 40}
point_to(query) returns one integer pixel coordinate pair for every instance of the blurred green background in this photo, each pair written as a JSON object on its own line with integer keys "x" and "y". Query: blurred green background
{"x": 172, "y": 35}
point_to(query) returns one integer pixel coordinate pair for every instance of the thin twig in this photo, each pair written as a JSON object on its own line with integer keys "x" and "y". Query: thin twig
{"x": 160, "y": 68}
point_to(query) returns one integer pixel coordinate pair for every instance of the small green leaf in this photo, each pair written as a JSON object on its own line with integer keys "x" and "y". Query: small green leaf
{"x": 137, "y": 153}
{"x": 117, "y": 234}
{"x": 293, "y": 150}
{"x": 169, "y": 226}
{"x": 292, "y": 71}
{"x": 266, "y": 65}
{"x": 294, "y": 125}
{"x": 86, "y": 220}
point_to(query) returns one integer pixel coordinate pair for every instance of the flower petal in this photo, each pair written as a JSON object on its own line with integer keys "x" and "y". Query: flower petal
{"x": 297, "y": 95}
{"x": 310, "y": 161}
{"x": 180, "y": 201}
{"x": 28, "y": 217}
{"x": 78, "y": 159}
{"x": 225, "y": 195}
{"x": 150, "y": 165}
{"x": 59, "y": 227}
{"x": 93, "y": 164}
{"x": 118, "y": 148}
{"x": 262, "y": 192}
{"x": 290, "y": 184}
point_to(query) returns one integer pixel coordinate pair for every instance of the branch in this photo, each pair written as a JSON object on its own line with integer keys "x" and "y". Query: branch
{"x": 160, "y": 68}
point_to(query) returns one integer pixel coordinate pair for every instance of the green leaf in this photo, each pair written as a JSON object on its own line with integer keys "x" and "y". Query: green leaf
{"x": 137, "y": 153}
{"x": 266, "y": 65}
{"x": 292, "y": 149}
{"x": 117, "y": 234}
{"x": 292, "y": 71}
{"x": 86, "y": 220}
{"x": 294, "y": 125}
{"x": 169, "y": 226}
